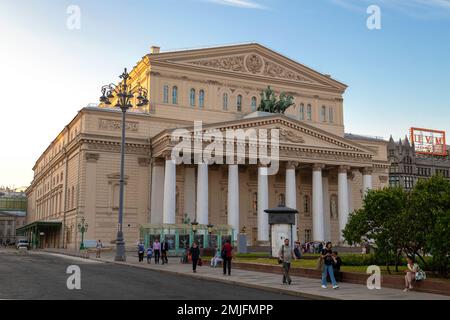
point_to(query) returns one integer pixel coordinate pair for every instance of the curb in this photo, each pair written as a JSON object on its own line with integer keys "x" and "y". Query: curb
{"x": 232, "y": 282}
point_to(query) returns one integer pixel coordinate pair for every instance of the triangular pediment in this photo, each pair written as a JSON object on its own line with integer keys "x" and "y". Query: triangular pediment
{"x": 293, "y": 133}
{"x": 250, "y": 59}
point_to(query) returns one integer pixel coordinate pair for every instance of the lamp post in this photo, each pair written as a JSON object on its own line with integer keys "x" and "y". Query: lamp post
{"x": 194, "y": 225}
{"x": 210, "y": 229}
{"x": 82, "y": 227}
{"x": 124, "y": 93}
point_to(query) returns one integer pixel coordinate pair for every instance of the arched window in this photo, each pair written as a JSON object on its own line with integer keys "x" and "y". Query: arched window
{"x": 201, "y": 98}
{"x": 175, "y": 95}
{"x": 166, "y": 94}
{"x": 253, "y": 103}
{"x": 306, "y": 205}
{"x": 309, "y": 112}
{"x": 225, "y": 101}
{"x": 302, "y": 112}
{"x": 239, "y": 103}
{"x": 192, "y": 98}
{"x": 330, "y": 115}
{"x": 323, "y": 114}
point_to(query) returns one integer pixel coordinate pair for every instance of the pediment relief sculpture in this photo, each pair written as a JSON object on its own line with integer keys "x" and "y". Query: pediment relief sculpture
{"x": 254, "y": 64}
{"x": 289, "y": 135}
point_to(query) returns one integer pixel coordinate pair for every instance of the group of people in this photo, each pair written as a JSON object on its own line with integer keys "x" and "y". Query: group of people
{"x": 224, "y": 256}
{"x": 157, "y": 249}
{"x": 329, "y": 263}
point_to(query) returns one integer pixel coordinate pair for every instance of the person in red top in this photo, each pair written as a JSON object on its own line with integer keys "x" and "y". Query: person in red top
{"x": 226, "y": 256}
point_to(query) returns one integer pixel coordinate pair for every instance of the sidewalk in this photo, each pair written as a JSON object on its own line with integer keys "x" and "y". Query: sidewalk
{"x": 301, "y": 286}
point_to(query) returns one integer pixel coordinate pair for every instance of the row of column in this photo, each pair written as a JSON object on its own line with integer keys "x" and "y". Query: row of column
{"x": 320, "y": 196}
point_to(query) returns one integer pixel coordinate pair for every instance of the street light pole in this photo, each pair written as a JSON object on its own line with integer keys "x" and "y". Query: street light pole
{"x": 124, "y": 94}
{"x": 82, "y": 227}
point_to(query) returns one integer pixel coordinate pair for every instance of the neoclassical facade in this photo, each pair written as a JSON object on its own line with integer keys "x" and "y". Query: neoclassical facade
{"x": 323, "y": 172}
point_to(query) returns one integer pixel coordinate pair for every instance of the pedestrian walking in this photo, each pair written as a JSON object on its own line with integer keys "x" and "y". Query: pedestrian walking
{"x": 149, "y": 254}
{"x": 157, "y": 250}
{"x": 99, "y": 247}
{"x": 327, "y": 258}
{"x": 227, "y": 256}
{"x": 164, "y": 249}
{"x": 141, "y": 250}
{"x": 195, "y": 255}
{"x": 285, "y": 256}
{"x": 337, "y": 262}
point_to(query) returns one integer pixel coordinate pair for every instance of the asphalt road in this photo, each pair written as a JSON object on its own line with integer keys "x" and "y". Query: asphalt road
{"x": 43, "y": 276}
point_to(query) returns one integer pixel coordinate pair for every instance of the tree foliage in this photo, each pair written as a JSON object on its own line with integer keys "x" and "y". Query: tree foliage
{"x": 413, "y": 223}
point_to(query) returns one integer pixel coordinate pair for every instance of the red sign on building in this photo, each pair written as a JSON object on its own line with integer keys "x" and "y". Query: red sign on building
{"x": 427, "y": 141}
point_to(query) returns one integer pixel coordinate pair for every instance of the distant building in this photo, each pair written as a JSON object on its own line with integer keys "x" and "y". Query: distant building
{"x": 407, "y": 166}
{"x": 12, "y": 216}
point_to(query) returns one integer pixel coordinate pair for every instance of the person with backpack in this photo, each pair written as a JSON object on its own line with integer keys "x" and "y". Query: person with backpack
{"x": 412, "y": 273}
{"x": 141, "y": 250}
{"x": 285, "y": 256}
{"x": 195, "y": 255}
{"x": 327, "y": 258}
{"x": 149, "y": 254}
{"x": 226, "y": 257}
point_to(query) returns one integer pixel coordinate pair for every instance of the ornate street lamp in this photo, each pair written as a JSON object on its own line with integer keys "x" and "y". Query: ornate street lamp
{"x": 210, "y": 229}
{"x": 124, "y": 94}
{"x": 82, "y": 227}
{"x": 194, "y": 225}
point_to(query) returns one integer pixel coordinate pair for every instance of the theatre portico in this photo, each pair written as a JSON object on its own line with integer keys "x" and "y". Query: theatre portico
{"x": 321, "y": 172}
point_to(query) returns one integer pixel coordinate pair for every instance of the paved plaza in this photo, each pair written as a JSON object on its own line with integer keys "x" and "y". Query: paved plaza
{"x": 301, "y": 286}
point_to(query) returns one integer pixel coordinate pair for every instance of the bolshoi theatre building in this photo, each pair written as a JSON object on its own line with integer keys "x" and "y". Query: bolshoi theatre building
{"x": 322, "y": 171}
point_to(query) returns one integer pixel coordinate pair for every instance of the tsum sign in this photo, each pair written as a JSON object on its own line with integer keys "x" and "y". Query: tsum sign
{"x": 427, "y": 141}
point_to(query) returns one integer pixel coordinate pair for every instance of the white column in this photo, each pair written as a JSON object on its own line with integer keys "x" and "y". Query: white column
{"x": 350, "y": 191}
{"x": 367, "y": 180}
{"x": 326, "y": 207}
{"x": 291, "y": 194}
{"x": 202, "y": 193}
{"x": 170, "y": 190}
{"x": 263, "y": 204}
{"x": 317, "y": 203}
{"x": 233, "y": 198}
{"x": 342, "y": 200}
{"x": 189, "y": 191}
{"x": 157, "y": 196}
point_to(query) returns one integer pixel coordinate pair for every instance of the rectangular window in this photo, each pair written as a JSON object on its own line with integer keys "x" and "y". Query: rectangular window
{"x": 330, "y": 115}
{"x": 309, "y": 112}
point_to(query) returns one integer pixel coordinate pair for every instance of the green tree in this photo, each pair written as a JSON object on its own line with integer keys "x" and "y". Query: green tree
{"x": 380, "y": 220}
{"x": 430, "y": 207}
{"x": 415, "y": 223}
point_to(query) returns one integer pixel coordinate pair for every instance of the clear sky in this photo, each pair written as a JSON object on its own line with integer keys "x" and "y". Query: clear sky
{"x": 398, "y": 76}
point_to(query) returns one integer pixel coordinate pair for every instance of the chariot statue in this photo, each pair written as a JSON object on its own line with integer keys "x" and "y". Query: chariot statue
{"x": 270, "y": 103}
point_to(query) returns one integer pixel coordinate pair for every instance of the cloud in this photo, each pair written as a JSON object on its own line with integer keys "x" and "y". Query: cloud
{"x": 246, "y": 4}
